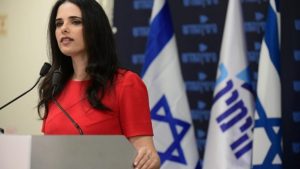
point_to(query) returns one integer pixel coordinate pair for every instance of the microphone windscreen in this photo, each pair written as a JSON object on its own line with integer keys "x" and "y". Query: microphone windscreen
{"x": 45, "y": 69}
{"x": 57, "y": 75}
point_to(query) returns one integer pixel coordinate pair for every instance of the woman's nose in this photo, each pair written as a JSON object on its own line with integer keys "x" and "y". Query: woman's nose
{"x": 65, "y": 28}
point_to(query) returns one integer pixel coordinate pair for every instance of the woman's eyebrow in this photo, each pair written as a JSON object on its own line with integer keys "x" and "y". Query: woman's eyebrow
{"x": 75, "y": 17}
{"x": 70, "y": 17}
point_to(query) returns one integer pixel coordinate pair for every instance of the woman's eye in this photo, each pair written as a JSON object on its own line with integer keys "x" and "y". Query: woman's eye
{"x": 58, "y": 24}
{"x": 76, "y": 22}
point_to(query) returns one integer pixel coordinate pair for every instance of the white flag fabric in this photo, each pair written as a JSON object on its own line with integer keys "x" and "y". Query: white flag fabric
{"x": 229, "y": 139}
{"x": 267, "y": 151}
{"x": 174, "y": 135}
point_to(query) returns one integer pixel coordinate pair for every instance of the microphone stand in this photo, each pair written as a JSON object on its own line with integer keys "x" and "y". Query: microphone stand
{"x": 68, "y": 116}
{"x": 57, "y": 75}
{"x": 21, "y": 94}
{"x": 44, "y": 70}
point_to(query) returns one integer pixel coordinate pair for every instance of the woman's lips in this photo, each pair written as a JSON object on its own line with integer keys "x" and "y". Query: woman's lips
{"x": 66, "y": 40}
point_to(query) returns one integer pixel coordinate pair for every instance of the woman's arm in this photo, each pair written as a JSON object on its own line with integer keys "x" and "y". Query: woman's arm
{"x": 147, "y": 157}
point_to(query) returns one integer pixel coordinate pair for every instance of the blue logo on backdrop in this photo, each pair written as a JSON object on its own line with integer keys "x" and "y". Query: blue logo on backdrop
{"x": 257, "y": 25}
{"x": 174, "y": 150}
{"x": 297, "y": 55}
{"x": 202, "y": 56}
{"x": 140, "y": 31}
{"x": 201, "y": 113}
{"x": 201, "y": 135}
{"x": 137, "y": 59}
{"x": 201, "y": 104}
{"x": 236, "y": 111}
{"x": 204, "y": 28}
{"x": 142, "y": 4}
{"x": 201, "y": 85}
{"x": 296, "y": 85}
{"x": 296, "y": 117}
{"x": 253, "y": 55}
{"x": 296, "y": 147}
{"x": 202, "y": 76}
{"x": 297, "y": 24}
{"x": 259, "y": 16}
{"x": 203, "y": 3}
{"x": 204, "y": 115}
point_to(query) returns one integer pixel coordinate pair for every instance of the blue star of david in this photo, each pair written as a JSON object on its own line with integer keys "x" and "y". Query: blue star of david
{"x": 177, "y": 136}
{"x": 275, "y": 139}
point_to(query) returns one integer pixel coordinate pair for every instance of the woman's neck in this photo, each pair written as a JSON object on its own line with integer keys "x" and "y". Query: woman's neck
{"x": 79, "y": 66}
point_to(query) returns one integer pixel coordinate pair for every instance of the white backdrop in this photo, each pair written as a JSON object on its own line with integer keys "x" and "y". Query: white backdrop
{"x": 23, "y": 50}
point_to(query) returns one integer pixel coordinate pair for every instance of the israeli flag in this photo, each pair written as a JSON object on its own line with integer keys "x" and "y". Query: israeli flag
{"x": 173, "y": 129}
{"x": 229, "y": 139}
{"x": 267, "y": 150}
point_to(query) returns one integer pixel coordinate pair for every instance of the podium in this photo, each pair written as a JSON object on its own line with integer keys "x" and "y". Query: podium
{"x": 65, "y": 152}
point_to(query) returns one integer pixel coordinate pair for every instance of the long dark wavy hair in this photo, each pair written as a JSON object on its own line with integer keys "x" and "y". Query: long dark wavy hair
{"x": 102, "y": 58}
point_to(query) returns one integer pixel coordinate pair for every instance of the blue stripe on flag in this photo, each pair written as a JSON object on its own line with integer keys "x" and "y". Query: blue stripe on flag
{"x": 271, "y": 38}
{"x": 160, "y": 33}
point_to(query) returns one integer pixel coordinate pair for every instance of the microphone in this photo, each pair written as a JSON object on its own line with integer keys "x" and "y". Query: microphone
{"x": 57, "y": 75}
{"x": 44, "y": 70}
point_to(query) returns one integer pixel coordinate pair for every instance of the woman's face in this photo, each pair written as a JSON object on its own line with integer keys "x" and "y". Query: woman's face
{"x": 69, "y": 30}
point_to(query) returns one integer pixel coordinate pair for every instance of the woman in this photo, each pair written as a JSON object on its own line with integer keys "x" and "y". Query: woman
{"x": 98, "y": 95}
